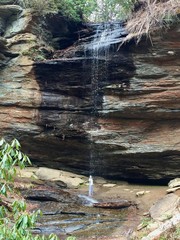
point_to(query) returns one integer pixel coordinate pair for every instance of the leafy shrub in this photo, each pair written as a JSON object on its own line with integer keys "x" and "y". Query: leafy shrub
{"x": 110, "y": 10}
{"x": 76, "y": 9}
{"x": 73, "y": 9}
{"x": 15, "y": 221}
{"x": 101, "y": 10}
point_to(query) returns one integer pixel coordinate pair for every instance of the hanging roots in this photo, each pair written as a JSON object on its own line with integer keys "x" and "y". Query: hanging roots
{"x": 150, "y": 15}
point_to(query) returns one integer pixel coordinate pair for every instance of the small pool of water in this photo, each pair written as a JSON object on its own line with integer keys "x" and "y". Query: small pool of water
{"x": 80, "y": 221}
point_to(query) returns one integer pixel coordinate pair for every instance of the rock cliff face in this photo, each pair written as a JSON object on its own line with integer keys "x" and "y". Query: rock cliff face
{"x": 125, "y": 125}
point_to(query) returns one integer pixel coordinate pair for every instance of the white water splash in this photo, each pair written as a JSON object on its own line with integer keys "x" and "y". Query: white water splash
{"x": 105, "y": 36}
{"x": 87, "y": 201}
{"x": 90, "y": 186}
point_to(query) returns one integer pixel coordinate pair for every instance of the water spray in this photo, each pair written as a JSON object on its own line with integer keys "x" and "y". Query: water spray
{"x": 90, "y": 186}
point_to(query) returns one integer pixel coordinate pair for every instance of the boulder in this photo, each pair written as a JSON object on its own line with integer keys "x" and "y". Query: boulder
{"x": 165, "y": 228}
{"x": 171, "y": 190}
{"x": 72, "y": 180}
{"x": 28, "y": 172}
{"x": 165, "y": 208}
{"x": 115, "y": 205}
{"x": 47, "y": 194}
{"x": 109, "y": 185}
{"x": 48, "y": 174}
{"x": 174, "y": 183}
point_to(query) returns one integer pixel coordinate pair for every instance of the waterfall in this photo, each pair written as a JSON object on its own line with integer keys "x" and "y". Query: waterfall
{"x": 106, "y": 38}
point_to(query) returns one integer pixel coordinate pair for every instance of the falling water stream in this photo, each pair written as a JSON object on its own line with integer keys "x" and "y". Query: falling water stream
{"x": 106, "y": 35}
{"x": 106, "y": 38}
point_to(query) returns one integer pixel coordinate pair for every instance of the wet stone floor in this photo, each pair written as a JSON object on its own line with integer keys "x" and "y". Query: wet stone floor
{"x": 65, "y": 212}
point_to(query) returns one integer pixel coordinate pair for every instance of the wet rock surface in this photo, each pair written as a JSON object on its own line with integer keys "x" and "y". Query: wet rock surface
{"x": 66, "y": 213}
{"x": 125, "y": 125}
{"x": 134, "y": 128}
{"x": 71, "y": 212}
{"x": 115, "y": 204}
{"x": 48, "y": 195}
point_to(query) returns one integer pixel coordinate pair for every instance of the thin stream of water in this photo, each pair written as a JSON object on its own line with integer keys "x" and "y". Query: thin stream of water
{"x": 106, "y": 35}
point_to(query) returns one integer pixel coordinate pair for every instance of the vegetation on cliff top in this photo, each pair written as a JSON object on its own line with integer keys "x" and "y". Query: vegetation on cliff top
{"x": 151, "y": 15}
{"x": 88, "y": 10}
{"x": 142, "y": 16}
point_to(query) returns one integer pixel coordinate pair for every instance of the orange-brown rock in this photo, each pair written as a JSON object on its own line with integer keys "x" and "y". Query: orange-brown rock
{"x": 126, "y": 125}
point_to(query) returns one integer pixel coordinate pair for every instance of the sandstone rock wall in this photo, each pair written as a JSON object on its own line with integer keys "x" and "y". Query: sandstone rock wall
{"x": 125, "y": 126}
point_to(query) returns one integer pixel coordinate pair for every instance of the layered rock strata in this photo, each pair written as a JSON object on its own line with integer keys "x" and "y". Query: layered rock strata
{"x": 125, "y": 125}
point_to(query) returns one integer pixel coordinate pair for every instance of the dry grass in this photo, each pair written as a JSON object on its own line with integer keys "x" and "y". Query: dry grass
{"x": 153, "y": 14}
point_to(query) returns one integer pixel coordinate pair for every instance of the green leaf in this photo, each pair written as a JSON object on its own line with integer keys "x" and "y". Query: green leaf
{"x": 3, "y": 190}
{"x": 15, "y": 144}
{"x": 52, "y": 237}
{"x": 19, "y": 155}
{"x": 17, "y": 224}
{"x": 71, "y": 238}
{"x": 5, "y": 157}
{"x": 2, "y": 141}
